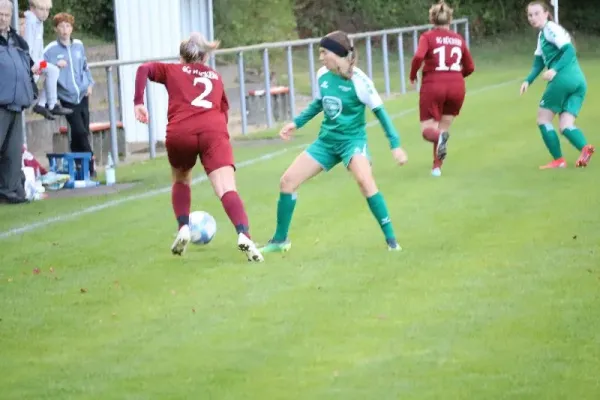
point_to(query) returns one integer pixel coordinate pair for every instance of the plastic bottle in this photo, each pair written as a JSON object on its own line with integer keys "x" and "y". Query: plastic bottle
{"x": 110, "y": 171}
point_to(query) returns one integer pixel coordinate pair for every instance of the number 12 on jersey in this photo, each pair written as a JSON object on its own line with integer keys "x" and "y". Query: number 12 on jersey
{"x": 441, "y": 53}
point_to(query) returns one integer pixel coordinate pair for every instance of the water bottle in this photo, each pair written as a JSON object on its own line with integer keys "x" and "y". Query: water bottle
{"x": 110, "y": 171}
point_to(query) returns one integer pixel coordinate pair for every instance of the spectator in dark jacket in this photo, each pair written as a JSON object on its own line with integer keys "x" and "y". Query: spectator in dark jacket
{"x": 17, "y": 92}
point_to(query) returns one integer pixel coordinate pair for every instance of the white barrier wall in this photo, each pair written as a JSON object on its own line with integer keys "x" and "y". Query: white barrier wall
{"x": 148, "y": 29}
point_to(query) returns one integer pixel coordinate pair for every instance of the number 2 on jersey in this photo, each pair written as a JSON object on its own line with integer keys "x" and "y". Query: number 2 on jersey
{"x": 208, "y": 87}
{"x": 441, "y": 53}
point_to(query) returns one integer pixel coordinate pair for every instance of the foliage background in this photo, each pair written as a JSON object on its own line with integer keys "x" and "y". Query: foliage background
{"x": 241, "y": 22}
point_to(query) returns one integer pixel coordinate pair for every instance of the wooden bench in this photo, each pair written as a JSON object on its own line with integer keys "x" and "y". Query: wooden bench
{"x": 256, "y": 105}
{"x": 99, "y": 140}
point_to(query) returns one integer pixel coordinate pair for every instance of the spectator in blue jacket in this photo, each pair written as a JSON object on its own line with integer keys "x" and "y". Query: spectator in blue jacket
{"x": 75, "y": 81}
{"x": 17, "y": 93}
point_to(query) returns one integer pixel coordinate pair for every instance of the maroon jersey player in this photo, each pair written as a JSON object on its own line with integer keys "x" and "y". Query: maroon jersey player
{"x": 447, "y": 61}
{"x": 197, "y": 127}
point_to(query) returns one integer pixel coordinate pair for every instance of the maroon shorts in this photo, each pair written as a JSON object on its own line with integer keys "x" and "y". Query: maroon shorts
{"x": 443, "y": 98}
{"x": 214, "y": 151}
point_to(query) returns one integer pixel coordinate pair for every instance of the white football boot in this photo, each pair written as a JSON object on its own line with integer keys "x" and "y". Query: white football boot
{"x": 247, "y": 246}
{"x": 181, "y": 241}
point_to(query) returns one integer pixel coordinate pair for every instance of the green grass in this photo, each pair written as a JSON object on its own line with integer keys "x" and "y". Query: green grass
{"x": 494, "y": 297}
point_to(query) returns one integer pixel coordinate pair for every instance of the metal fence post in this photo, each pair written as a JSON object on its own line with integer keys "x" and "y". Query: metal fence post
{"x": 290, "y": 71}
{"x": 114, "y": 144}
{"x": 415, "y": 48}
{"x": 368, "y": 50}
{"x": 415, "y": 41}
{"x": 242, "y": 78}
{"x": 15, "y": 15}
{"x": 467, "y": 34}
{"x": 151, "y": 124}
{"x": 268, "y": 103}
{"x": 386, "y": 64}
{"x": 311, "y": 70}
{"x": 401, "y": 60}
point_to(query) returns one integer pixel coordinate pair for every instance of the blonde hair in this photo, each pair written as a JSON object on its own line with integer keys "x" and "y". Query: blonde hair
{"x": 440, "y": 14}
{"x": 345, "y": 66}
{"x": 196, "y": 48}
{"x": 40, "y": 3}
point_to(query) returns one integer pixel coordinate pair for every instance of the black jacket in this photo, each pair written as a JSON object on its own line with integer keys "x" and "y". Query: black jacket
{"x": 18, "y": 90}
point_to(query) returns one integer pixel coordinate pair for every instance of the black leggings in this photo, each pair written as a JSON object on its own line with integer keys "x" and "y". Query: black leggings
{"x": 79, "y": 121}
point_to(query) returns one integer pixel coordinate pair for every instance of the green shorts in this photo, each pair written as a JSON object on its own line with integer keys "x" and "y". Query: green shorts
{"x": 565, "y": 93}
{"x": 329, "y": 153}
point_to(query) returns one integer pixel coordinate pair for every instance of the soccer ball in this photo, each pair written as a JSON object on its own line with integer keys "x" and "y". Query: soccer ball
{"x": 202, "y": 227}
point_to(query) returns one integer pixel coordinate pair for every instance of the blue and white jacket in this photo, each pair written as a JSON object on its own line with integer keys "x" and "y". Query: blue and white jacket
{"x": 76, "y": 77}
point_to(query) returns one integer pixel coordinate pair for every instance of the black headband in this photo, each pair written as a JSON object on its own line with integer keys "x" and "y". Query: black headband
{"x": 334, "y": 47}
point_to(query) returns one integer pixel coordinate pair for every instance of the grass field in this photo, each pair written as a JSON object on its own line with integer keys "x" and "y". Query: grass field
{"x": 495, "y": 296}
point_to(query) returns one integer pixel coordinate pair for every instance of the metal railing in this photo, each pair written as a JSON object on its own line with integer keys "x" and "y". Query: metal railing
{"x": 289, "y": 46}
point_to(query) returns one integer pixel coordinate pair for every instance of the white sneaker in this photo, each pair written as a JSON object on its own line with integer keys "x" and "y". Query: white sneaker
{"x": 247, "y": 246}
{"x": 181, "y": 241}
{"x": 436, "y": 172}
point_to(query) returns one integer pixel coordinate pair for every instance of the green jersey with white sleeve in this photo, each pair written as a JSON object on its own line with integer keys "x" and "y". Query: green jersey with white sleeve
{"x": 343, "y": 102}
{"x": 551, "y": 40}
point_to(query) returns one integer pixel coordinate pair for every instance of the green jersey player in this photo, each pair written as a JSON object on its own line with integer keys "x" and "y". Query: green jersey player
{"x": 344, "y": 92}
{"x": 566, "y": 89}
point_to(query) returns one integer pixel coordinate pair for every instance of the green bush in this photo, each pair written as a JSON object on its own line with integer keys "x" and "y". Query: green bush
{"x": 242, "y": 22}
{"x": 94, "y": 17}
{"x": 488, "y": 17}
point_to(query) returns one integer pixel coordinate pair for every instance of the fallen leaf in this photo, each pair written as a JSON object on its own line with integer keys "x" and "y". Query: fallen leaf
{"x": 83, "y": 290}
{"x": 51, "y": 270}
{"x": 194, "y": 310}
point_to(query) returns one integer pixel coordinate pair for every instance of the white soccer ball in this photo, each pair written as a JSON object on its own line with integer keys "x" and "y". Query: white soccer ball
{"x": 203, "y": 227}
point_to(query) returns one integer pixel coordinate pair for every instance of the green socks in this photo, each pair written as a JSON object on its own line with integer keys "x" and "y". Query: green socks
{"x": 575, "y": 136}
{"x": 380, "y": 212}
{"x": 285, "y": 209}
{"x": 551, "y": 140}
{"x": 287, "y": 203}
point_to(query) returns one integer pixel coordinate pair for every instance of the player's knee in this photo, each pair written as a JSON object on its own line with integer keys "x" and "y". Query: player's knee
{"x": 181, "y": 176}
{"x": 366, "y": 183}
{"x": 566, "y": 127}
{"x": 543, "y": 121}
{"x": 287, "y": 183}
